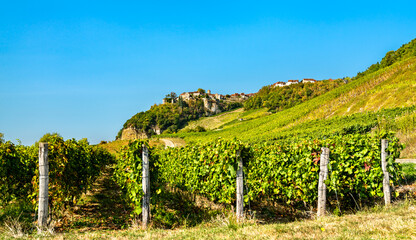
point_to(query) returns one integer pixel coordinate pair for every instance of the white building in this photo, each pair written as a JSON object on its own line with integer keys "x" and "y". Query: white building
{"x": 309, "y": 80}
{"x": 279, "y": 84}
{"x": 290, "y": 82}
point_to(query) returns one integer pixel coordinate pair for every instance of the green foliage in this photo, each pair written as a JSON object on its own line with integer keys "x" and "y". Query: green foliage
{"x": 73, "y": 167}
{"x": 271, "y": 128}
{"x": 279, "y": 98}
{"x": 128, "y": 173}
{"x": 360, "y": 123}
{"x": 170, "y": 98}
{"x": 172, "y": 116}
{"x": 200, "y": 129}
{"x": 409, "y": 172}
{"x": 208, "y": 169}
{"x": 233, "y": 105}
{"x": 17, "y": 167}
{"x": 404, "y": 123}
{"x": 48, "y": 137}
{"x": 286, "y": 173}
{"x": 201, "y": 91}
{"x": 168, "y": 208}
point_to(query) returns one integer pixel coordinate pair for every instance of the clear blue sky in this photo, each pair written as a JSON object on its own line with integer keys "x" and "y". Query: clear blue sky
{"x": 82, "y": 68}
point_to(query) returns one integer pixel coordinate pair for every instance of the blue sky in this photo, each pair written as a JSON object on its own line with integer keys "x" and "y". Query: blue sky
{"x": 82, "y": 68}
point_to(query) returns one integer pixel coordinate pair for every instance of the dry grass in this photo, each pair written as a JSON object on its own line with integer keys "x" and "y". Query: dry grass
{"x": 47, "y": 231}
{"x": 115, "y": 146}
{"x": 227, "y": 119}
{"x": 409, "y": 140}
{"x": 216, "y": 121}
{"x": 13, "y": 227}
{"x": 396, "y": 222}
{"x": 392, "y": 88}
{"x": 178, "y": 142}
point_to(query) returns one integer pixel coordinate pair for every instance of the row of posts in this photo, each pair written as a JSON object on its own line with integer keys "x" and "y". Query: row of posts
{"x": 323, "y": 174}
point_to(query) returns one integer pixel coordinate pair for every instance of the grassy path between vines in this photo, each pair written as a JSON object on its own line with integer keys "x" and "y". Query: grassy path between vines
{"x": 100, "y": 209}
{"x": 395, "y": 222}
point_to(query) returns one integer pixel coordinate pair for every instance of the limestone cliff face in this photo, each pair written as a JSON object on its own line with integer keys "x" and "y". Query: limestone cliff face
{"x": 156, "y": 129}
{"x": 211, "y": 107}
{"x": 132, "y": 134}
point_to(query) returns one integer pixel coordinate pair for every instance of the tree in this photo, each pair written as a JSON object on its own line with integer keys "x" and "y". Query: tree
{"x": 181, "y": 103}
{"x": 389, "y": 59}
{"x": 1, "y": 138}
{"x": 173, "y": 95}
{"x": 170, "y": 98}
{"x": 201, "y": 91}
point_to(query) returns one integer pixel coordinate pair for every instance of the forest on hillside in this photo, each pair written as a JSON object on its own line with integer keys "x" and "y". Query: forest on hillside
{"x": 173, "y": 115}
{"x": 279, "y": 98}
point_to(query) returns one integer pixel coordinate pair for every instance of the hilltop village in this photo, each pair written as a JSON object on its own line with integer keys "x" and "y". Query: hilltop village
{"x": 290, "y": 82}
{"x": 186, "y": 96}
{"x": 176, "y": 110}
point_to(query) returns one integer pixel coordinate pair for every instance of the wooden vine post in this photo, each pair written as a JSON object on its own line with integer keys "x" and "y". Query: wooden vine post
{"x": 240, "y": 190}
{"x": 323, "y": 174}
{"x": 43, "y": 185}
{"x": 386, "y": 178}
{"x": 146, "y": 187}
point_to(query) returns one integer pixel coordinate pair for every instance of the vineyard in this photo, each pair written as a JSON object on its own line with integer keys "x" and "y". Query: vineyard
{"x": 285, "y": 174}
{"x": 73, "y": 167}
{"x": 280, "y": 173}
{"x": 275, "y": 148}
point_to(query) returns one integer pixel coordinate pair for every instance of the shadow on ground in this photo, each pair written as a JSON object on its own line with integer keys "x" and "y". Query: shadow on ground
{"x": 100, "y": 208}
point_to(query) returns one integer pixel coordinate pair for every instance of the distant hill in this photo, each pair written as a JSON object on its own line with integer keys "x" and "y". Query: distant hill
{"x": 177, "y": 111}
{"x": 382, "y": 97}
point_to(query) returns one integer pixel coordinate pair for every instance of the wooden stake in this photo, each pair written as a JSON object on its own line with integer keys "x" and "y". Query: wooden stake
{"x": 146, "y": 187}
{"x": 323, "y": 174}
{"x": 386, "y": 178}
{"x": 43, "y": 185}
{"x": 240, "y": 190}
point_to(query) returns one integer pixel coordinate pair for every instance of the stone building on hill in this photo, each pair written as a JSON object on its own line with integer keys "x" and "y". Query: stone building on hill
{"x": 186, "y": 96}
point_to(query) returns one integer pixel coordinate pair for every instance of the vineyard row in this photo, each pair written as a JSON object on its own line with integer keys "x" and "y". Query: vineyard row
{"x": 286, "y": 174}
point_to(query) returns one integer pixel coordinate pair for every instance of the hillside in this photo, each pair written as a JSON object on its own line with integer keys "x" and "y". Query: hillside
{"x": 221, "y": 120}
{"x": 177, "y": 111}
{"x": 279, "y": 98}
{"x": 373, "y": 98}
